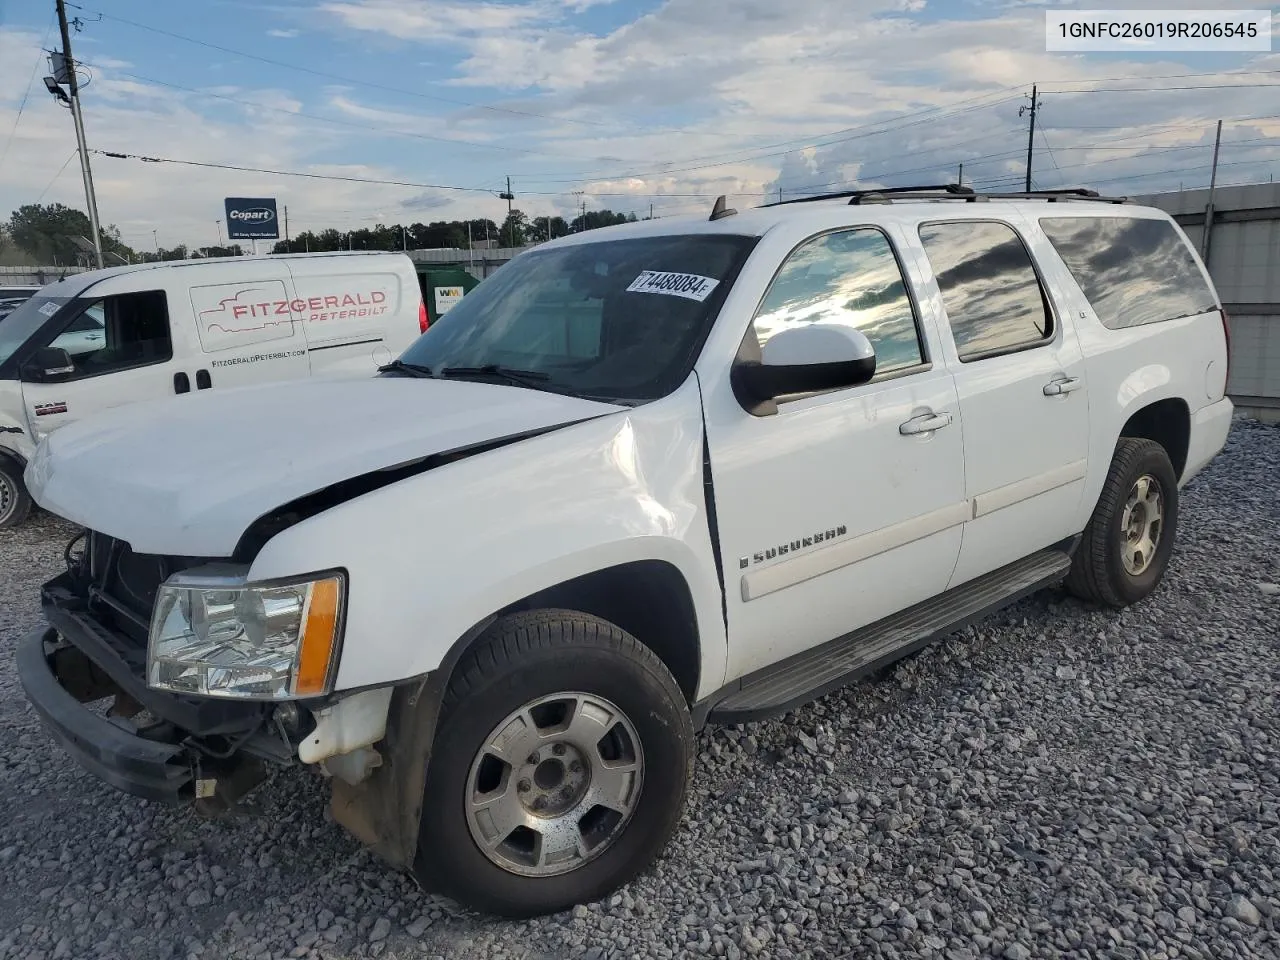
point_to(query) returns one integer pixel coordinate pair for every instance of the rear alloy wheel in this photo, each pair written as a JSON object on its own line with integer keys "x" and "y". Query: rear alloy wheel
{"x": 1126, "y": 548}
{"x": 558, "y": 769}
{"x": 15, "y": 502}
{"x": 1142, "y": 523}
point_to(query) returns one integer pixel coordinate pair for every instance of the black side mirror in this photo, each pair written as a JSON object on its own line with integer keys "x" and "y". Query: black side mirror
{"x": 48, "y": 365}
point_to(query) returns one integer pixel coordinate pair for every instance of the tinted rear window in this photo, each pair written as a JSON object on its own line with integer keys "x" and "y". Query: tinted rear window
{"x": 990, "y": 289}
{"x": 1133, "y": 271}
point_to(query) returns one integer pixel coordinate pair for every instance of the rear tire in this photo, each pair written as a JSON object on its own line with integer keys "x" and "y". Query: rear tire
{"x": 551, "y": 713}
{"x": 15, "y": 502}
{"x": 1125, "y": 549}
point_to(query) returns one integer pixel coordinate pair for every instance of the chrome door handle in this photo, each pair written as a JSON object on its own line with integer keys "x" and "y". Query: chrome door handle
{"x": 1058, "y": 388}
{"x": 925, "y": 423}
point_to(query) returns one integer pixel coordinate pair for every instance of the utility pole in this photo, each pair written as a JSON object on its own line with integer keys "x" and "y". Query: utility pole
{"x": 69, "y": 65}
{"x": 511, "y": 227}
{"x": 960, "y": 182}
{"x": 218, "y": 224}
{"x": 404, "y": 238}
{"x": 650, "y": 209}
{"x": 155, "y": 235}
{"x": 1208, "y": 210}
{"x": 1031, "y": 132}
{"x": 287, "y": 247}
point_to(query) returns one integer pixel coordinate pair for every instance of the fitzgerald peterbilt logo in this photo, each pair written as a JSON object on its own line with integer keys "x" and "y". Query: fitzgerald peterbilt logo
{"x": 792, "y": 546}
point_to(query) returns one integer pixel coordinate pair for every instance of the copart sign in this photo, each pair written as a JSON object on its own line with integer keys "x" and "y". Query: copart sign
{"x": 252, "y": 218}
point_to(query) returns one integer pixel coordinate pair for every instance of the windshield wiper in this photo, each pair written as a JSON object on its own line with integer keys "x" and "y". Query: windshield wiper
{"x": 523, "y": 378}
{"x": 412, "y": 369}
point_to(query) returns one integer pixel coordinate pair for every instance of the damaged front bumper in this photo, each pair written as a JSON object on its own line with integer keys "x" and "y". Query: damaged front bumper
{"x": 148, "y": 743}
{"x": 145, "y": 768}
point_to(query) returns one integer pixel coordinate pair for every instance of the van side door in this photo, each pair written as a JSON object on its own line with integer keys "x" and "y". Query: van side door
{"x": 1020, "y": 375}
{"x": 345, "y": 312}
{"x": 123, "y": 348}
{"x": 249, "y": 329}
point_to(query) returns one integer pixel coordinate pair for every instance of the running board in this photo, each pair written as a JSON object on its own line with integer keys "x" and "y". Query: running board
{"x": 814, "y": 673}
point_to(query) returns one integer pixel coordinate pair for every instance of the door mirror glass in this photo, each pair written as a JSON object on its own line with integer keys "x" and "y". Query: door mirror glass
{"x": 807, "y": 359}
{"x": 48, "y": 365}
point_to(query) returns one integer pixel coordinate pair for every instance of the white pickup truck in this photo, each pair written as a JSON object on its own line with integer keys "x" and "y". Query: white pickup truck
{"x": 642, "y": 479}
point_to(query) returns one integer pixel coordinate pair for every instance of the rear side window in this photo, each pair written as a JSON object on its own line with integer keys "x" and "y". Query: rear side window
{"x": 994, "y": 300}
{"x": 849, "y": 277}
{"x": 1133, "y": 271}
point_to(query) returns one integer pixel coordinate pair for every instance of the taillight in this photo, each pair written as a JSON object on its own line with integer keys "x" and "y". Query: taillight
{"x": 423, "y": 320}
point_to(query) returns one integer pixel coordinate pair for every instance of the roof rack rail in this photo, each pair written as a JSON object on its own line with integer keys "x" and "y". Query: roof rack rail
{"x": 951, "y": 191}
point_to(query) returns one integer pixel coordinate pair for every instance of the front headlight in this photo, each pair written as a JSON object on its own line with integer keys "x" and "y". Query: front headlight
{"x": 215, "y": 635}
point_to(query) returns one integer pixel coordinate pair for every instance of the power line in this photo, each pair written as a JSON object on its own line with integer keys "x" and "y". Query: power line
{"x": 811, "y": 140}
{"x": 336, "y": 120}
{"x": 639, "y": 175}
{"x": 27, "y": 93}
{"x": 1200, "y": 86}
{"x": 62, "y": 168}
{"x": 117, "y": 155}
{"x": 339, "y": 77}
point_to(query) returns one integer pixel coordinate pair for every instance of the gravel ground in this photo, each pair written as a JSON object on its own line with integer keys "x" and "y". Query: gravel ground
{"x": 1058, "y": 782}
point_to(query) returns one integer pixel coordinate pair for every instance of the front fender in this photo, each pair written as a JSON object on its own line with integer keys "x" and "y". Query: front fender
{"x": 433, "y": 555}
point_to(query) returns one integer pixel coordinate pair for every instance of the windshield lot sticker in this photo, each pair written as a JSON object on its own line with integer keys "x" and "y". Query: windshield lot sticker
{"x": 687, "y": 285}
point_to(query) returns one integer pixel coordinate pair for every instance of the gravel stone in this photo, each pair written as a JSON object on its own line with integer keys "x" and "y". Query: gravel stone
{"x": 1055, "y": 781}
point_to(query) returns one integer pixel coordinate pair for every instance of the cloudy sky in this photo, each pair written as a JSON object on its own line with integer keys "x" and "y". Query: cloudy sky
{"x": 615, "y": 103}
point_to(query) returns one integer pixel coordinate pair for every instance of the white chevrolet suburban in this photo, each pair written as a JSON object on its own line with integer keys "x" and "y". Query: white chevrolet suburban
{"x": 641, "y": 479}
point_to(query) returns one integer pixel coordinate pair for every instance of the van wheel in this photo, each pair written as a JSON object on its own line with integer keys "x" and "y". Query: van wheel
{"x": 1125, "y": 549}
{"x": 15, "y": 502}
{"x": 559, "y": 769}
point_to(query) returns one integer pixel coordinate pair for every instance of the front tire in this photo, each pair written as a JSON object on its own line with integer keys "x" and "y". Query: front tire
{"x": 15, "y": 502}
{"x": 559, "y": 769}
{"x": 1125, "y": 550}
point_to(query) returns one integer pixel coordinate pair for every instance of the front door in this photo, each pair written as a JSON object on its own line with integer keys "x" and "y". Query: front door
{"x": 837, "y": 509}
{"x": 1023, "y": 392}
{"x": 122, "y": 351}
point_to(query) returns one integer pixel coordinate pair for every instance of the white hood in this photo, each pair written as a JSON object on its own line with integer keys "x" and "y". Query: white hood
{"x": 187, "y": 476}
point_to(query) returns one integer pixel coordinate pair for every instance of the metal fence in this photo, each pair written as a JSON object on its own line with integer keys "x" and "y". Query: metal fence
{"x": 1244, "y": 261}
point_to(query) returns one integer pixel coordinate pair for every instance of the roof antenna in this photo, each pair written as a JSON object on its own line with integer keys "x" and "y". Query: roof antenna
{"x": 720, "y": 211}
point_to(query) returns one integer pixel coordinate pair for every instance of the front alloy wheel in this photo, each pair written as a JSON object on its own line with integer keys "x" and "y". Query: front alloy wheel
{"x": 554, "y": 784}
{"x": 558, "y": 768}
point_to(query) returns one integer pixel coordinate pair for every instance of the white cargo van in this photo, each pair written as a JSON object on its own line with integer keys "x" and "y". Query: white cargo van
{"x": 148, "y": 332}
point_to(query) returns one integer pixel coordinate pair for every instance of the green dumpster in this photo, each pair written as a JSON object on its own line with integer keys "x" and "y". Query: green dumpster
{"x": 442, "y": 288}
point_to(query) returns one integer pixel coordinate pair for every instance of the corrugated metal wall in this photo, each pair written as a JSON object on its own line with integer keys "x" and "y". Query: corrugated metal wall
{"x": 1244, "y": 260}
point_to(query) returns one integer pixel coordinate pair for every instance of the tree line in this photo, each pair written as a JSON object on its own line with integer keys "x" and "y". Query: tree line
{"x": 43, "y": 235}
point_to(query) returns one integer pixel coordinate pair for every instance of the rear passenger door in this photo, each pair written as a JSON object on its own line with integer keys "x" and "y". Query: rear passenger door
{"x": 1020, "y": 377}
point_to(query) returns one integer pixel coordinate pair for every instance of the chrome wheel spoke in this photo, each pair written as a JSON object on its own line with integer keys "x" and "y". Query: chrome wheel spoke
{"x": 498, "y": 814}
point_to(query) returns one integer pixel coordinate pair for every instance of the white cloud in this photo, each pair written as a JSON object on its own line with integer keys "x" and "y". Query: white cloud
{"x": 283, "y": 34}
{"x": 693, "y": 97}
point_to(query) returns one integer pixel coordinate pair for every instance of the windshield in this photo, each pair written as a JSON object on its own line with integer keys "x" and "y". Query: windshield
{"x": 617, "y": 319}
{"x": 19, "y": 326}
